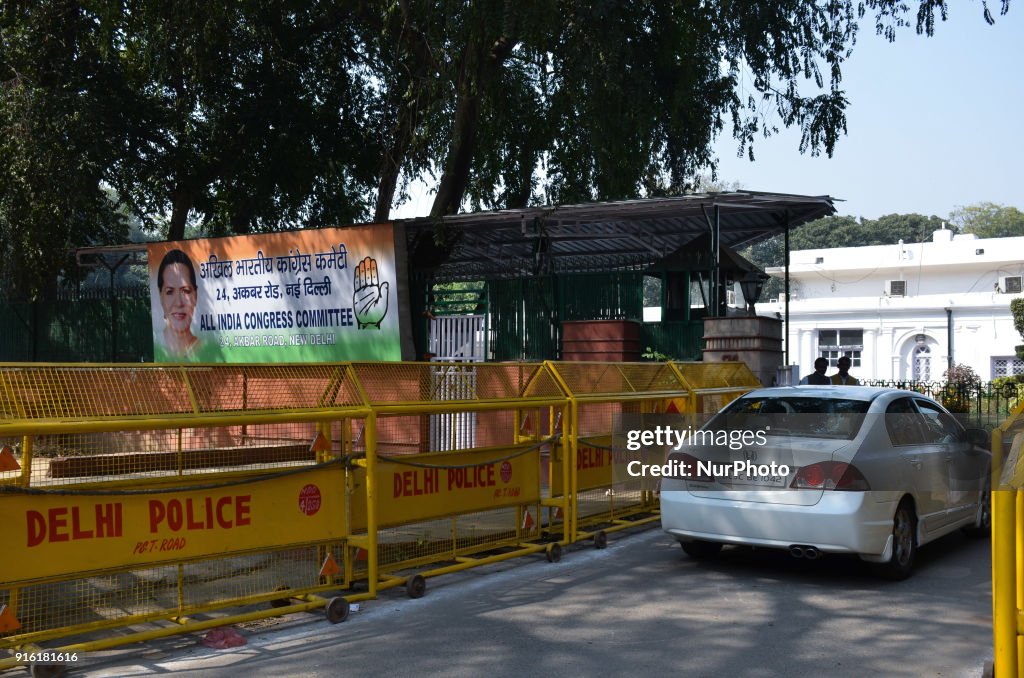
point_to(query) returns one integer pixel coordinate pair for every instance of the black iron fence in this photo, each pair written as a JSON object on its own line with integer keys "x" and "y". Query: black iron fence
{"x": 982, "y": 405}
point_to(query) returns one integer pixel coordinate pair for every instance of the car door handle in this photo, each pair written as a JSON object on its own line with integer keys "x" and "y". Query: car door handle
{"x": 915, "y": 461}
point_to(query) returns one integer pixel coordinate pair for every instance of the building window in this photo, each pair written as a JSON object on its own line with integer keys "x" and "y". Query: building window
{"x": 833, "y": 344}
{"x": 1007, "y": 366}
{"x": 921, "y": 363}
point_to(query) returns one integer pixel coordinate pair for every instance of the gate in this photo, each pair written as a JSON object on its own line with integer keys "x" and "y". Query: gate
{"x": 458, "y": 337}
{"x": 453, "y": 430}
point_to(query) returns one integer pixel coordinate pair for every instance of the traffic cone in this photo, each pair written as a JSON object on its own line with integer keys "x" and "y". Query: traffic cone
{"x": 8, "y": 622}
{"x": 7, "y": 460}
{"x": 330, "y": 566}
{"x": 526, "y": 428}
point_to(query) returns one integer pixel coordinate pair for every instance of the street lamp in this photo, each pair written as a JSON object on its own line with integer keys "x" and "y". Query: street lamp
{"x": 751, "y": 284}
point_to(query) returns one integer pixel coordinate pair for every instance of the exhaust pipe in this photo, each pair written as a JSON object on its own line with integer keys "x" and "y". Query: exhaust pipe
{"x": 808, "y": 552}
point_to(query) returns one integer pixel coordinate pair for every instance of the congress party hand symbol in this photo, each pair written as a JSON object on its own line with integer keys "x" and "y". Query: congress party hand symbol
{"x": 370, "y": 296}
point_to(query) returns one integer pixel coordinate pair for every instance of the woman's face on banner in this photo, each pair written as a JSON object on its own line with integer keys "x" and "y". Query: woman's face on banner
{"x": 178, "y": 297}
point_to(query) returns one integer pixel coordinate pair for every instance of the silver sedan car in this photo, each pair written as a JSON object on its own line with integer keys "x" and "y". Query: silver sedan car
{"x": 827, "y": 469}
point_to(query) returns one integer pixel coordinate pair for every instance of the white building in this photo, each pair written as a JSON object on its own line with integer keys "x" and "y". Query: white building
{"x": 891, "y": 307}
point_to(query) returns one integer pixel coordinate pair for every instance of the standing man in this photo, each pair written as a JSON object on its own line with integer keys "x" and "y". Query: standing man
{"x": 817, "y": 377}
{"x": 842, "y": 377}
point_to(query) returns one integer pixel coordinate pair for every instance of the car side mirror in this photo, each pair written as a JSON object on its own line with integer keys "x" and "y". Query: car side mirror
{"x": 979, "y": 437}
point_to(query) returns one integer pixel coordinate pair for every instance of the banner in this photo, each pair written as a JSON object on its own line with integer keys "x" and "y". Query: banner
{"x": 303, "y": 296}
{"x": 446, "y": 484}
{"x": 60, "y": 534}
{"x": 597, "y": 465}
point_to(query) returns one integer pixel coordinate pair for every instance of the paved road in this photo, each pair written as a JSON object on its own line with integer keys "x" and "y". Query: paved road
{"x": 638, "y": 607}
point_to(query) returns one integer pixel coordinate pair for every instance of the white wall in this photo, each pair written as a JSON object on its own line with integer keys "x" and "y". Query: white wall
{"x": 846, "y": 291}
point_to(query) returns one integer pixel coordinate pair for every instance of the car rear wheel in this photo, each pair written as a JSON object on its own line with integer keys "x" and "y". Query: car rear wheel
{"x": 701, "y": 550}
{"x": 904, "y": 544}
{"x": 982, "y": 526}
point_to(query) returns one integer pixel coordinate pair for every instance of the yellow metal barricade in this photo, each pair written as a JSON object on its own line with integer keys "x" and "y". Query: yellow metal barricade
{"x": 605, "y": 497}
{"x": 712, "y": 386}
{"x": 452, "y": 468}
{"x": 1008, "y": 545}
{"x": 194, "y": 496}
{"x": 169, "y": 494}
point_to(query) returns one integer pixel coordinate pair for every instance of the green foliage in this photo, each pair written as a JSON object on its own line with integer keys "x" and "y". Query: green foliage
{"x": 234, "y": 118}
{"x": 55, "y": 142}
{"x": 457, "y": 298}
{"x": 1010, "y": 388}
{"x": 1017, "y": 311}
{"x": 988, "y": 220}
{"x": 840, "y": 231}
{"x": 657, "y": 356}
{"x": 256, "y": 115}
{"x": 891, "y": 228}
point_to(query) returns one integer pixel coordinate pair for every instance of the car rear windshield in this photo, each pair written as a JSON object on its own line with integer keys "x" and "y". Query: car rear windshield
{"x": 794, "y": 415}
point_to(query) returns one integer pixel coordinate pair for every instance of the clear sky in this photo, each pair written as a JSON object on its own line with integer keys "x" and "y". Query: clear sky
{"x": 932, "y": 123}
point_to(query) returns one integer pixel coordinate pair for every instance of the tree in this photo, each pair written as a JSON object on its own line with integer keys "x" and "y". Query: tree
{"x": 962, "y": 385}
{"x": 258, "y": 115}
{"x": 55, "y": 143}
{"x": 244, "y": 117}
{"x": 891, "y": 228}
{"x": 238, "y": 117}
{"x": 988, "y": 220}
{"x": 840, "y": 231}
{"x": 613, "y": 100}
{"x": 1017, "y": 311}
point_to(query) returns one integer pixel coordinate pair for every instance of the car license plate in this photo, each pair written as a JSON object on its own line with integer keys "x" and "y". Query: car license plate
{"x": 762, "y": 481}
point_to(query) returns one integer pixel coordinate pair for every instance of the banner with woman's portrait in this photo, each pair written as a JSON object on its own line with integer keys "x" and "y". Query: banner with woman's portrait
{"x": 301, "y": 296}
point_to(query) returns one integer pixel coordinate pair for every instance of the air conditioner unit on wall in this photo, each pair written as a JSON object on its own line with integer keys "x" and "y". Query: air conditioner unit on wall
{"x": 895, "y": 288}
{"x": 1011, "y": 284}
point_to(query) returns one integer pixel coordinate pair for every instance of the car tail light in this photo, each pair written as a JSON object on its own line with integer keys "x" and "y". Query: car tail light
{"x": 830, "y": 475}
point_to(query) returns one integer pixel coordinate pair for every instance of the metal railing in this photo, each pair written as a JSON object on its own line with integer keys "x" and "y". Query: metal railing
{"x": 981, "y": 405}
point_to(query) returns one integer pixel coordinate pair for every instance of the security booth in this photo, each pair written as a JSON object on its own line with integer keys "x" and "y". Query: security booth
{"x": 698, "y": 281}
{"x": 523, "y": 274}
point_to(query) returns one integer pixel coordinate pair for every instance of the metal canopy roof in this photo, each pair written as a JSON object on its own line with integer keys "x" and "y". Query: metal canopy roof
{"x": 592, "y": 237}
{"x": 600, "y": 236}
